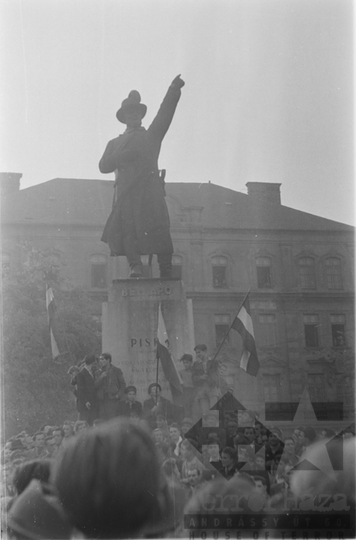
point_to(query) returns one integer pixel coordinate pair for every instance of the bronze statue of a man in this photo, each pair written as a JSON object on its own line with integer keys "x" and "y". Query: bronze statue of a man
{"x": 139, "y": 221}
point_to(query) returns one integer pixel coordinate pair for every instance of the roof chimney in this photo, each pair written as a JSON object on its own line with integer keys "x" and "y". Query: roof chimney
{"x": 264, "y": 192}
{"x": 9, "y": 182}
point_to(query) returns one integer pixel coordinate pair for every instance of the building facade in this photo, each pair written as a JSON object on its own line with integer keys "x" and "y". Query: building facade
{"x": 297, "y": 266}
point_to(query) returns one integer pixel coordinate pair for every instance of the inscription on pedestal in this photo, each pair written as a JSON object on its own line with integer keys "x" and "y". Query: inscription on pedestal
{"x": 138, "y": 291}
{"x": 130, "y": 319}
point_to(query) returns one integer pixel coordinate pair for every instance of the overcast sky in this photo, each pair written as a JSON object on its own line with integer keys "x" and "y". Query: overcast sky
{"x": 268, "y": 95}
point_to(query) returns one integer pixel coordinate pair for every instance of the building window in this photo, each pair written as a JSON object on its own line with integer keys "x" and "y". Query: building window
{"x": 219, "y": 272}
{"x": 177, "y": 265}
{"x": 338, "y": 330}
{"x": 316, "y": 387}
{"x": 272, "y": 387}
{"x": 311, "y": 323}
{"x": 267, "y": 330}
{"x": 99, "y": 271}
{"x": 263, "y": 267}
{"x": 333, "y": 273}
{"x": 307, "y": 273}
{"x": 222, "y": 324}
{"x": 5, "y": 261}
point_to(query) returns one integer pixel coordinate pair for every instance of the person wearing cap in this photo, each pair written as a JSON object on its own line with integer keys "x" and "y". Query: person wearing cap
{"x": 130, "y": 405}
{"x": 156, "y": 404}
{"x": 139, "y": 221}
{"x": 87, "y": 403}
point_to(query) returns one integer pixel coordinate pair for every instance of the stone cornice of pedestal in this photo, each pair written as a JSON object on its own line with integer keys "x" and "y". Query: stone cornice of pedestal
{"x": 255, "y": 294}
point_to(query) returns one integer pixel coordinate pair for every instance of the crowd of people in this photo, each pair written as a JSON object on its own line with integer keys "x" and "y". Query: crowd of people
{"x": 137, "y": 474}
{"x": 101, "y": 391}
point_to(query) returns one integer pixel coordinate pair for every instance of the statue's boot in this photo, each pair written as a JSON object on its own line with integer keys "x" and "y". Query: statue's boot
{"x": 136, "y": 271}
{"x": 165, "y": 265}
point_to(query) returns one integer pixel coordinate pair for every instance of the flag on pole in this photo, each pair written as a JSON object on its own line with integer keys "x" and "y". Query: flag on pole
{"x": 244, "y": 326}
{"x": 169, "y": 369}
{"x": 51, "y": 308}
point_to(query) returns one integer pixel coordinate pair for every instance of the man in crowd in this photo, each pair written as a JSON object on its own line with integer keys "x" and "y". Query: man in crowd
{"x": 261, "y": 488}
{"x": 246, "y": 418}
{"x": 156, "y": 404}
{"x": 190, "y": 460}
{"x": 273, "y": 450}
{"x": 189, "y": 390}
{"x": 87, "y": 403}
{"x": 110, "y": 385}
{"x": 228, "y": 460}
{"x": 51, "y": 447}
{"x": 289, "y": 455}
{"x": 307, "y": 436}
{"x": 130, "y": 404}
{"x": 187, "y": 424}
{"x": 213, "y": 451}
{"x": 58, "y": 435}
{"x": 39, "y": 450}
{"x": 68, "y": 430}
{"x": 194, "y": 480}
{"x": 231, "y": 431}
{"x": 205, "y": 376}
{"x": 210, "y": 425}
{"x": 176, "y": 438}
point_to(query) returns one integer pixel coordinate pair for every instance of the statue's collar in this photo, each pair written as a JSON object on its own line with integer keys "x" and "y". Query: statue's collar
{"x": 130, "y": 130}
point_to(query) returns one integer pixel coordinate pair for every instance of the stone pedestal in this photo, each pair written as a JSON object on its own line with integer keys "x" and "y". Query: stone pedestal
{"x": 129, "y": 328}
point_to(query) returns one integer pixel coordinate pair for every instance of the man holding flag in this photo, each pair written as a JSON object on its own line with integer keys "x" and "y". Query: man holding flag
{"x": 170, "y": 371}
{"x": 243, "y": 324}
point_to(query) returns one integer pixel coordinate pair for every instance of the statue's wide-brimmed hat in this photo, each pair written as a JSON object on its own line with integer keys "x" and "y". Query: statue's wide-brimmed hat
{"x": 133, "y": 100}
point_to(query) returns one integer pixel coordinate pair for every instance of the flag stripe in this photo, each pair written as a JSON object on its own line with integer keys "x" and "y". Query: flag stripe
{"x": 54, "y": 346}
{"x": 244, "y": 359}
{"x": 246, "y": 320}
{"x": 51, "y": 309}
{"x": 169, "y": 368}
{"x": 244, "y": 326}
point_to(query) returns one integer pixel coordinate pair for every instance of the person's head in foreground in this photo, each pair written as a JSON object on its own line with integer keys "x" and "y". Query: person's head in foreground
{"x": 37, "y": 514}
{"x": 109, "y": 482}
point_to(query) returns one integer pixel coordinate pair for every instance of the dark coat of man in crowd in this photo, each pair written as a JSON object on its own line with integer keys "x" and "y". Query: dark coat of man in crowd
{"x": 110, "y": 385}
{"x": 130, "y": 405}
{"x": 157, "y": 404}
{"x": 139, "y": 222}
{"x": 87, "y": 403}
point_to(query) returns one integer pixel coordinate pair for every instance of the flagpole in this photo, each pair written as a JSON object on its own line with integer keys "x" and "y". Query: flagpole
{"x": 157, "y": 357}
{"x": 227, "y": 333}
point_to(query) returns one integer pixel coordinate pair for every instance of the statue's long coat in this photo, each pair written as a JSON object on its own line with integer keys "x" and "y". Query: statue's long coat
{"x": 134, "y": 158}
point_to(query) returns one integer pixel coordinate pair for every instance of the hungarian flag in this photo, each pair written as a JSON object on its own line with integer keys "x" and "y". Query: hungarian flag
{"x": 51, "y": 309}
{"x": 163, "y": 355}
{"x": 244, "y": 326}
